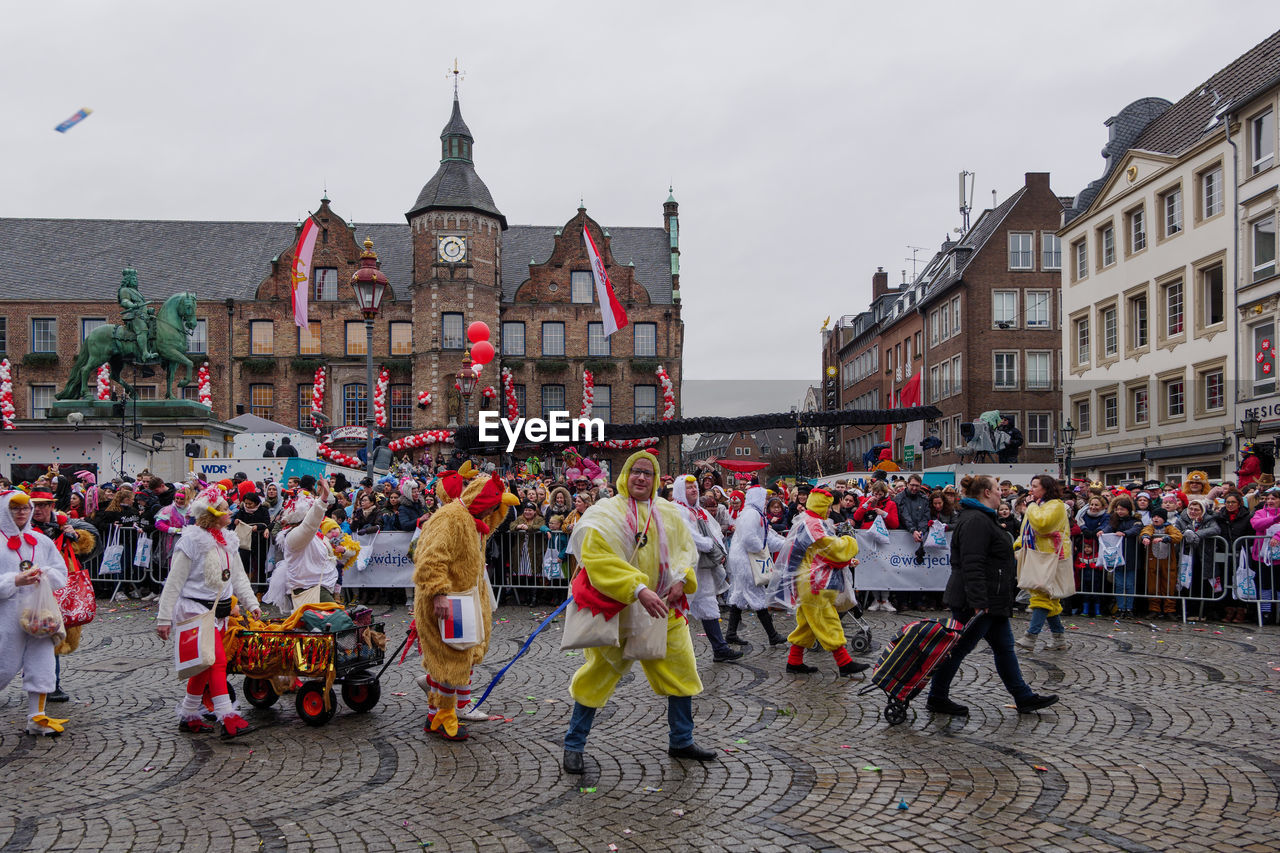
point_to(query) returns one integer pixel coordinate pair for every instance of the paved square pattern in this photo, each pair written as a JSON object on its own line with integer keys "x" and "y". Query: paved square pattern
{"x": 1165, "y": 739}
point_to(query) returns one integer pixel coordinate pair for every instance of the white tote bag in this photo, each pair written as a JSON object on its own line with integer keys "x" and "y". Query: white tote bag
{"x": 113, "y": 555}
{"x": 193, "y": 645}
{"x": 761, "y": 566}
{"x": 936, "y": 538}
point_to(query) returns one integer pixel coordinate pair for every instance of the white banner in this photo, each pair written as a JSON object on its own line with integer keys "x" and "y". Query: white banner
{"x": 385, "y": 558}
{"x": 893, "y": 567}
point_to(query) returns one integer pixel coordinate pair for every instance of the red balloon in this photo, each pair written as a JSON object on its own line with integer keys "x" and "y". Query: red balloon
{"x": 477, "y": 332}
{"x": 482, "y": 351}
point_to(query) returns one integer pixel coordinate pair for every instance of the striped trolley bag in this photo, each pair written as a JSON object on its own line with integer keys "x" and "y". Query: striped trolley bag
{"x": 907, "y": 661}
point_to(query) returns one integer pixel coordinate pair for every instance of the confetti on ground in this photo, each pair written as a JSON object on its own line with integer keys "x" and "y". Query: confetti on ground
{"x": 872, "y": 768}
{"x": 534, "y": 711}
{"x": 627, "y": 831}
{"x": 1217, "y": 632}
{"x": 613, "y": 847}
{"x": 649, "y": 789}
{"x": 147, "y": 769}
{"x": 399, "y": 694}
{"x": 532, "y": 698}
{"x": 741, "y": 740}
{"x": 678, "y": 812}
{"x": 902, "y": 805}
{"x": 586, "y": 790}
{"x": 1040, "y": 767}
{"x": 571, "y": 654}
{"x": 844, "y": 746}
{"x": 727, "y": 749}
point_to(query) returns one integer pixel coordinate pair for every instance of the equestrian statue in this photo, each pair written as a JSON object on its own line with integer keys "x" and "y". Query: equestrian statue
{"x": 145, "y": 337}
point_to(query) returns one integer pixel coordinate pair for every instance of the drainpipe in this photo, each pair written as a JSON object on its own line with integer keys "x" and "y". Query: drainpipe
{"x": 1235, "y": 270}
{"x": 231, "y": 311}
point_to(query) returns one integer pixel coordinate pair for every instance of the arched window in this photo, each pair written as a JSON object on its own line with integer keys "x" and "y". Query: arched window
{"x": 355, "y": 404}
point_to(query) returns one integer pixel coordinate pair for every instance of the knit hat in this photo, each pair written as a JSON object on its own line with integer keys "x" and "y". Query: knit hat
{"x": 819, "y": 502}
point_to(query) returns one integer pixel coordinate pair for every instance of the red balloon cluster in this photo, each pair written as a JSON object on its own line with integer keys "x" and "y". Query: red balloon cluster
{"x": 422, "y": 439}
{"x": 6, "y": 394}
{"x": 482, "y": 351}
{"x": 337, "y": 457}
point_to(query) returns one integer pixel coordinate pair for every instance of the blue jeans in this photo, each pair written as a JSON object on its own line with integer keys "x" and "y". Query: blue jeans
{"x": 999, "y": 636}
{"x": 679, "y": 718}
{"x": 1126, "y": 577}
{"x": 1039, "y": 616}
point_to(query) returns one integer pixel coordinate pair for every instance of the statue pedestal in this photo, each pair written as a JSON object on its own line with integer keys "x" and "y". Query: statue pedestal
{"x": 105, "y": 410}
{"x": 101, "y": 437}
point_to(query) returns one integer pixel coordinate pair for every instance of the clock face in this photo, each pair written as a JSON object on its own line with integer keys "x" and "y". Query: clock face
{"x": 452, "y": 249}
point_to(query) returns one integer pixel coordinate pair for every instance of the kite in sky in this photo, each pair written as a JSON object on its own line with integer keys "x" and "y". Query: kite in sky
{"x": 75, "y": 119}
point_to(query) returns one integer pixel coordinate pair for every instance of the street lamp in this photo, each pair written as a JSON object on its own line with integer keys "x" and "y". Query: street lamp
{"x": 369, "y": 284}
{"x": 1068, "y": 435}
{"x": 1249, "y": 426}
{"x": 466, "y": 383}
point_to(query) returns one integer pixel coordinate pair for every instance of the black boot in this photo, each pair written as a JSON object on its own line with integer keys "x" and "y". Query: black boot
{"x": 766, "y": 622}
{"x": 720, "y": 649}
{"x": 735, "y": 620}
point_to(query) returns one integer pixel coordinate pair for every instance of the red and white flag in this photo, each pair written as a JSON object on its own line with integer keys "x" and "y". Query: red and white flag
{"x": 612, "y": 313}
{"x": 302, "y": 270}
{"x": 907, "y": 398}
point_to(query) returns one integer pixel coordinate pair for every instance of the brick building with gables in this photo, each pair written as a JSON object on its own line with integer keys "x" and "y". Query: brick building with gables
{"x": 456, "y": 260}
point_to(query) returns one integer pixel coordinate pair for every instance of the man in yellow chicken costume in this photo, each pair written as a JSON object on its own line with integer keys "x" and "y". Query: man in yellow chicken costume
{"x": 635, "y": 548}
{"x": 450, "y": 561}
{"x": 809, "y": 577}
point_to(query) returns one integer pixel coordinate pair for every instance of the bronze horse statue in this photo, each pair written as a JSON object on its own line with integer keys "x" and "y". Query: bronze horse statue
{"x": 168, "y": 335}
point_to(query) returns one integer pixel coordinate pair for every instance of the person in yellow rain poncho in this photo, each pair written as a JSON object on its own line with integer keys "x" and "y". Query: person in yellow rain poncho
{"x": 808, "y": 578}
{"x": 1046, "y": 527}
{"x": 635, "y": 547}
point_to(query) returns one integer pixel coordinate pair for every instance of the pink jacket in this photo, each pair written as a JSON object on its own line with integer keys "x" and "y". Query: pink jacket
{"x": 1262, "y": 520}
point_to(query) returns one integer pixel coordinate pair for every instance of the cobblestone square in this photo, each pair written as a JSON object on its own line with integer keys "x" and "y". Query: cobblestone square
{"x": 1165, "y": 739}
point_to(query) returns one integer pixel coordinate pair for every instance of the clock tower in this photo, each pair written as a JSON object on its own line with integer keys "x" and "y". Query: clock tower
{"x": 457, "y": 255}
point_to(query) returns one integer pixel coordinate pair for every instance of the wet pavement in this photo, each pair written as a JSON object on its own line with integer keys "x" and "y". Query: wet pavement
{"x": 1165, "y": 738}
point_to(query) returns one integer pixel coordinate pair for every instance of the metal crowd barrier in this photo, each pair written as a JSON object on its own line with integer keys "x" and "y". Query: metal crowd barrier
{"x": 519, "y": 564}
{"x": 1255, "y": 582}
{"x": 1167, "y": 586}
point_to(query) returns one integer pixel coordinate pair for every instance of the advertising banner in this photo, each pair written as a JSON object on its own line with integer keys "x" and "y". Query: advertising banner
{"x": 894, "y": 567}
{"x": 385, "y": 558}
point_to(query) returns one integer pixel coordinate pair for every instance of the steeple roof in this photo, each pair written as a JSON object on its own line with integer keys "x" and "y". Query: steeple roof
{"x": 455, "y": 185}
{"x": 456, "y": 126}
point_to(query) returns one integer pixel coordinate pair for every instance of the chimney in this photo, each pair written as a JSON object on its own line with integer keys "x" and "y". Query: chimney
{"x": 879, "y": 283}
{"x": 1037, "y": 181}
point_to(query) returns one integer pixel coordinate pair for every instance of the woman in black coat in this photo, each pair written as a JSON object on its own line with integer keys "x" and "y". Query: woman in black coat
{"x": 254, "y": 513}
{"x": 980, "y": 593}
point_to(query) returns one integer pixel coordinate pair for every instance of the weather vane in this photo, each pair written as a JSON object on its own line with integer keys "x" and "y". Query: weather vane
{"x": 457, "y": 75}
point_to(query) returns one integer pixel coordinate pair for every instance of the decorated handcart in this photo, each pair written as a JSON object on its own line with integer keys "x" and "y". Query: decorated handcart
{"x": 319, "y": 646}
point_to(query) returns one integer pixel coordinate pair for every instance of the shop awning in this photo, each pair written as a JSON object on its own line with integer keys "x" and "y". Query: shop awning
{"x": 1203, "y": 448}
{"x": 738, "y": 466}
{"x": 1124, "y": 458}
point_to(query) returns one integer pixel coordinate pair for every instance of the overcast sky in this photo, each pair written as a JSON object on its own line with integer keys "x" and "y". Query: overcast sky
{"x": 808, "y": 143}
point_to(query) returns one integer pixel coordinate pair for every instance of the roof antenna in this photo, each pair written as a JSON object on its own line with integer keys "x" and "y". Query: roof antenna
{"x": 966, "y": 197}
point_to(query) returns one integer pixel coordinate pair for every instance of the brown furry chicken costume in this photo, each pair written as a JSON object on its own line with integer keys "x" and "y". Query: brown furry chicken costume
{"x": 449, "y": 560}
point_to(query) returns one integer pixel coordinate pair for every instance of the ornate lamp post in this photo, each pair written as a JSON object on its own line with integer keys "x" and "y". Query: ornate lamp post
{"x": 369, "y": 284}
{"x": 1068, "y": 435}
{"x": 466, "y": 384}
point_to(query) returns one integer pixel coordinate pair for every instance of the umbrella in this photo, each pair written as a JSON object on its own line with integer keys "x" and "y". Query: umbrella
{"x": 738, "y": 466}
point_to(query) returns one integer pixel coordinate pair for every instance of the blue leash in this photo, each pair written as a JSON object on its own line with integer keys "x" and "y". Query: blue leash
{"x": 523, "y": 649}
